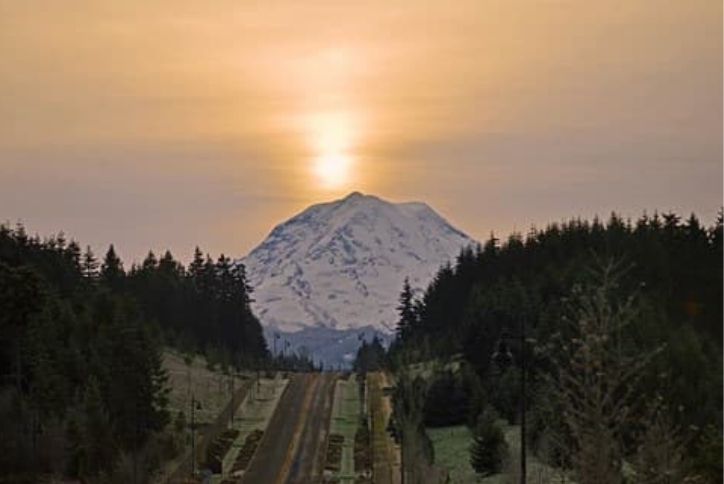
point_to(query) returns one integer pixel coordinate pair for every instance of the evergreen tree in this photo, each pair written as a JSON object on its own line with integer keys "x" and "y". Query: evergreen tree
{"x": 75, "y": 466}
{"x": 447, "y": 401}
{"x": 416, "y": 448}
{"x": 197, "y": 265}
{"x": 73, "y": 254}
{"x": 150, "y": 263}
{"x": 406, "y": 311}
{"x": 370, "y": 356}
{"x": 135, "y": 389}
{"x": 675, "y": 266}
{"x": 112, "y": 270}
{"x": 22, "y": 295}
{"x": 169, "y": 267}
{"x": 89, "y": 265}
{"x": 44, "y": 349}
{"x": 226, "y": 284}
{"x": 489, "y": 449}
{"x": 88, "y": 355}
{"x": 98, "y": 448}
{"x": 242, "y": 288}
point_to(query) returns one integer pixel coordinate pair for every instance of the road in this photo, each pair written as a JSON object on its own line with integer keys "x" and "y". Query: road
{"x": 292, "y": 450}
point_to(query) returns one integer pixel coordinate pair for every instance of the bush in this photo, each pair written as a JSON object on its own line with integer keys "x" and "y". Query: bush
{"x": 447, "y": 401}
{"x": 505, "y": 396}
{"x": 489, "y": 449}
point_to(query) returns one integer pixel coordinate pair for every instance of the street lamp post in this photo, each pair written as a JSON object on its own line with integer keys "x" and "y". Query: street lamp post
{"x": 193, "y": 438}
{"x": 504, "y": 356}
{"x": 523, "y": 375}
{"x": 232, "y": 399}
{"x": 195, "y": 405}
{"x": 258, "y": 378}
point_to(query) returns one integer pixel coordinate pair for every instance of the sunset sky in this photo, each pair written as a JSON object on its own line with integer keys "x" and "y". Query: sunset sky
{"x": 171, "y": 123}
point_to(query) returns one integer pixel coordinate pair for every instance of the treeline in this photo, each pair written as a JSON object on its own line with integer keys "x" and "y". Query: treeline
{"x": 83, "y": 391}
{"x": 653, "y": 286}
{"x": 204, "y": 308}
{"x": 370, "y": 356}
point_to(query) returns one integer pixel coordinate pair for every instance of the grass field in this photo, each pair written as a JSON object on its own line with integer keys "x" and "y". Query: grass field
{"x": 211, "y": 389}
{"x": 537, "y": 471}
{"x": 452, "y": 451}
{"x": 345, "y": 417}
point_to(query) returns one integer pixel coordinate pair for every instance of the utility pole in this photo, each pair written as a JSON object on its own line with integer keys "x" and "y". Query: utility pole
{"x": 194, "y": 406}
{"x": 503, "y": 357}
{"x": 258, "y": 378}
{"x": 276, "y": 337}
{"x": 193, "y": 438}
{"x": 402, "y": 457}
{"x": 523, "y": 371}
{"x": 232, "y": 398}
{"x": 135, "y": 443}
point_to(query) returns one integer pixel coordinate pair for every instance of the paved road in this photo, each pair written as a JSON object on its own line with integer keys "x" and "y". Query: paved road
{"x": 292, "y": 450}
{"x": 308, "y": 461}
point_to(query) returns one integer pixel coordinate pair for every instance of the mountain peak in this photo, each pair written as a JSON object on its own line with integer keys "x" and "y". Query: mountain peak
{"x": 372, "y": 200}
{"x": 355, "y": 195}
{"x": 341, "y": 265}
{"x": 358, "y": 197}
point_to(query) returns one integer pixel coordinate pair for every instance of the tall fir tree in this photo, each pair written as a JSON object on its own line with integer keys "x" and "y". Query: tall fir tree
{"x": 489, "y": 449}
{"x": 406, "y": 311}
{"x": 89, "y": 265}
{"x": 112, "y": 270}
{"x": 150, "y": 263}
{"x": 97, "y": 439}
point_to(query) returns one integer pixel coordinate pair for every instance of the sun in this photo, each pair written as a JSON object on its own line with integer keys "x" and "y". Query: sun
{"x": 333, "y": 169}
{"x": 331, "y": 138}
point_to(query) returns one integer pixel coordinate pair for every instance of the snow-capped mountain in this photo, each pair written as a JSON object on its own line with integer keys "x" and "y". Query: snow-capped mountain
{"x": 341, "y": 265}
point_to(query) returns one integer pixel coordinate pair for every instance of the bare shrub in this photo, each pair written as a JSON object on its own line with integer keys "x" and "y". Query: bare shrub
{"x": 596, "y": 377}
{"x": 660, "y": 455}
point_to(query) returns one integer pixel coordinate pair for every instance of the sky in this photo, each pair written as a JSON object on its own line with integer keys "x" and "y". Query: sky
{"x": 176, "y": 123}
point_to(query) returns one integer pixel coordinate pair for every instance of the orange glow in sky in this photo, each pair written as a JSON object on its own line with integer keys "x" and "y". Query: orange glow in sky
{"x": 331, "y": 137}
{"x": 333, "y": 169}
{"x": 230, "y": 116}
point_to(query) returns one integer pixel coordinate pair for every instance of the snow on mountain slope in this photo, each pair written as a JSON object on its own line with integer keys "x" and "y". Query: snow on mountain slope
{"x": 341, "y": 265}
